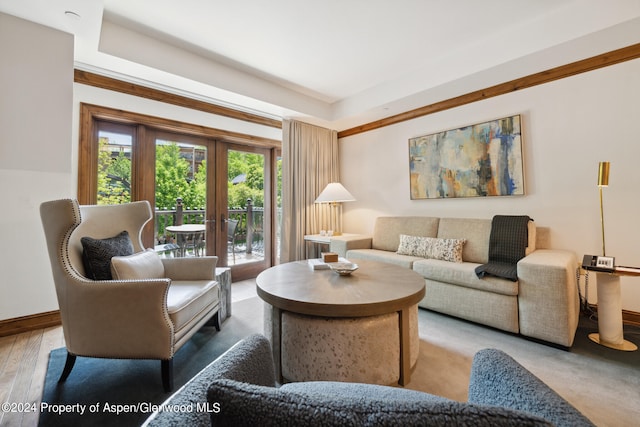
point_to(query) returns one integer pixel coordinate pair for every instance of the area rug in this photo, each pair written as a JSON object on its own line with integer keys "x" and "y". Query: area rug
{"x": 108, "y": 392}
{"x": 602, "y": 383}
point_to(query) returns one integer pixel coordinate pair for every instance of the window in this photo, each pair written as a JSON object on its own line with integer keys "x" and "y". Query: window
{"x": 114, "y": 164}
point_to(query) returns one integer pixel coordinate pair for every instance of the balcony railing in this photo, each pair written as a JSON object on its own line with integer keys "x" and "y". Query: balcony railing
{"x": 249, "y": 237}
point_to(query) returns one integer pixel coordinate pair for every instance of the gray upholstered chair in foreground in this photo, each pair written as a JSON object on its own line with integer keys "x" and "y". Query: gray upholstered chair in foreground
{"x": 118, "y": 300}
{"x": 239, "y": 389}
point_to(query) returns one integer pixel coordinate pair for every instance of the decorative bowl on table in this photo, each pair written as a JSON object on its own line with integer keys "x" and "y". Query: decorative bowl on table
{"x": 343, "y": 268}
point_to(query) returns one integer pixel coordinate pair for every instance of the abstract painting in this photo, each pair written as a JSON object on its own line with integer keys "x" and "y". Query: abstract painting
{"x": 480, "y": 160}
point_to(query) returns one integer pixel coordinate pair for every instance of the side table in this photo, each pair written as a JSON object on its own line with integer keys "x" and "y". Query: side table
{"x": 316, "y": 240}
{"x": 324, "y": 240}
{"x": 223, "y": 276}
{"x": 610, "y": 333}
{"x": 185, "y": 233}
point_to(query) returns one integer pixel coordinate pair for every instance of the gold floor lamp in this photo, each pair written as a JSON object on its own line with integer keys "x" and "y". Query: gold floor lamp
{"x": 603, "y": 181}
{"x": 610, "y": 326}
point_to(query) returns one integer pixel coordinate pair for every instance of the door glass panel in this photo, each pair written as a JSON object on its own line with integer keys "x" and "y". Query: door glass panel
{"x": 245, "y": 201}
{"x": 180, "y": 198}
{"x": 114, "y": 168}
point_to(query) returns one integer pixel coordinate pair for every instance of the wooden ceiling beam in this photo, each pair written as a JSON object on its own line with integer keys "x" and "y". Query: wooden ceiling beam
{"x": 604, "y": 60}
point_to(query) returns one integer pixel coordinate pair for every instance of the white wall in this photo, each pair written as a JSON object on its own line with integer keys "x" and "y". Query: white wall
{"x": 36, "y": 78}
{"x": 39, "y": 118}
{"x": 568, "y": 127}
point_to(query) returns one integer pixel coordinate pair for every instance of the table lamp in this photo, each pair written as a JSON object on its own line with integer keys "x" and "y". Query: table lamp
{"x": 334, "y": 194}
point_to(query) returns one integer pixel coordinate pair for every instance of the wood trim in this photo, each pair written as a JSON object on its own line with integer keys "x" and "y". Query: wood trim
{"x": 103, "y": 82}
{"x": 19, "y": 325}
{"x": 631, "y": 317}
{"x": 561, "y": 72}
{"x": 120, "y": 116}
{"x": 52, "y": 318}
{"x": 88, "y": 158}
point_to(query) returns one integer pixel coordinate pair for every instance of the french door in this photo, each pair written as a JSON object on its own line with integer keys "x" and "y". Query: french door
{"x": 243, "y": 208}
{"x": 224, "y": 188}
{"x": 220, "y": 186}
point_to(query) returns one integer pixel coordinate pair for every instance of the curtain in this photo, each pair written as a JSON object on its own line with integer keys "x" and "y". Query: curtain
{"x": 309, "y": 162}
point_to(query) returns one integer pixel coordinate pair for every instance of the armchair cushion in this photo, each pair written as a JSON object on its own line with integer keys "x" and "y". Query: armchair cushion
{"x": 97, "y": 254}
{"x": 187, "y": 300}
{"x": 141, "y": 265}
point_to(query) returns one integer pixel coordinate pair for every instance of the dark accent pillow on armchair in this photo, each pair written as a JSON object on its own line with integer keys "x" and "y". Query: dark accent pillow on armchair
{"x": 97, "y": 254}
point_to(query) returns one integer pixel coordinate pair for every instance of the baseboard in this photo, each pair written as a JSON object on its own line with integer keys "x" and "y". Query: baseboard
{"x": 631, "y": 317}
{"x": 29, "y": 323}
{"x": 19, "y": 325}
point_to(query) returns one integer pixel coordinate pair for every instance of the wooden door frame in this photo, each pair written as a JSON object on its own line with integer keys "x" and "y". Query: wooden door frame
{"x": 142, "y": 153}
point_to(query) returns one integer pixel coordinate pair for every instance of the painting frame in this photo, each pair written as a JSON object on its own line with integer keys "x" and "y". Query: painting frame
{"x": 479, "y": 160}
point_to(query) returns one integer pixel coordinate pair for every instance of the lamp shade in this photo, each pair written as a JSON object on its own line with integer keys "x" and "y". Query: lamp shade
{"x": 603, "y": 174}
{"x": 335, "y": 192}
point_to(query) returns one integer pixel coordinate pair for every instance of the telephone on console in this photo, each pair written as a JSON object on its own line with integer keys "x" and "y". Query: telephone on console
{"x": 598, "y": 263}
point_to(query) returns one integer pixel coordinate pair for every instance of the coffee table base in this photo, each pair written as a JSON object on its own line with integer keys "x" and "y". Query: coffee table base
{"x": 353, "y": 349}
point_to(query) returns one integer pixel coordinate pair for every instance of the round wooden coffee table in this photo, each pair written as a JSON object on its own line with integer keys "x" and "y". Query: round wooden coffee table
{"x": 323, "y": 326}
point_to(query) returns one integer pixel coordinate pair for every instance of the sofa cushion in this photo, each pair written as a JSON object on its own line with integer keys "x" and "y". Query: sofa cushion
{"x": 387, "y": 230}
{"x": 431, "y": 247}
{"x": 463, "y": 274}
{"x": 477, "y": 232}
{"x": 339, "y": 404}
{"x": 97, "y": 254}
{"x": 141, "y": 265}
{"x": 383, "y": 256}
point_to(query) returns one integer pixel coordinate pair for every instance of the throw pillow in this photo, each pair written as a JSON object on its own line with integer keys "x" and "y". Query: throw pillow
{"x": 445, "y": 249}
{"x": 431, "y": 247}
{"x": 97, "y": 254}
{"x": 142, "y": 265}
{"x": 412, "y": 245}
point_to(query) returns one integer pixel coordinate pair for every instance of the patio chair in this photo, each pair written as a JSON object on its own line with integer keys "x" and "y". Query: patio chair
{"x": 118, "y": 300}
{"x": 232, "y": 230}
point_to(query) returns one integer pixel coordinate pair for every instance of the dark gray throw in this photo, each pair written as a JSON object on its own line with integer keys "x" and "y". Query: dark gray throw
{"x": 507, "y": 245}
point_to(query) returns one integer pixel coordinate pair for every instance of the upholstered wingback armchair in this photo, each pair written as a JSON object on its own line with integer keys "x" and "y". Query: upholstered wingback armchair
{"x": 146, "y": 309}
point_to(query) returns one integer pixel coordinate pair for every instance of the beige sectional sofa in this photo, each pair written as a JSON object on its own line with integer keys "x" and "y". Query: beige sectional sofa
{"x": 543, "y": 303}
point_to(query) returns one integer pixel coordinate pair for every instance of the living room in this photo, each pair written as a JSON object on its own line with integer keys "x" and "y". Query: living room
{"x": 569, "y": 126}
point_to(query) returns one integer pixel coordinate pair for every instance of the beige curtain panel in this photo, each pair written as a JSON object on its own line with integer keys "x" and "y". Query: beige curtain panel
{"x": 310, "y": 161}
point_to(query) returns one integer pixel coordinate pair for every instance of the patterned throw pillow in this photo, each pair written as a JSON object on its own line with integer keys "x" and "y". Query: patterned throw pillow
{"x": 431, "y": 247}
{"x": 412, "y": 245}
{"x": 445, "y": 249}
{"x": 97, "y": 254}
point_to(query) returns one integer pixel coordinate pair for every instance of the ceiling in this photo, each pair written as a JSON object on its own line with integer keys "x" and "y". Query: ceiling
{"x": 336, "y": 63}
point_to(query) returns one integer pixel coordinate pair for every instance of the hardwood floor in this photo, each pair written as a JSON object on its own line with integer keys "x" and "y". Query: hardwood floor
{"x": 23, "y": 366}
